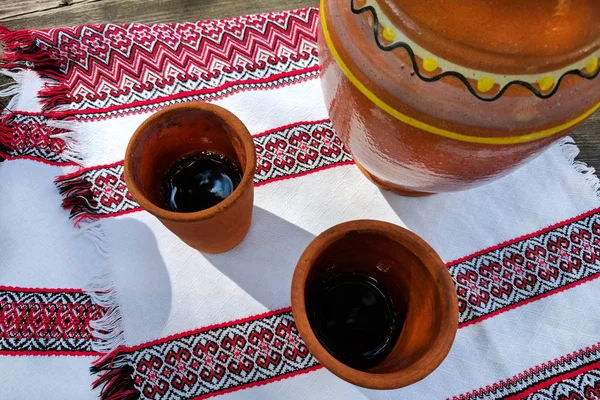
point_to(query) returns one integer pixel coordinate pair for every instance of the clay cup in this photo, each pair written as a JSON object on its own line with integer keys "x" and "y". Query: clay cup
{"x": 181, "y": 130}
{"x": 413, "y": 274}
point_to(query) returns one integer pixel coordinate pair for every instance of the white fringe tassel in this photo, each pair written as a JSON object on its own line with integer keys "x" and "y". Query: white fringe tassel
{"x": 107, "y": 331}
{"x": 94, "y": 232}
{"x": 12, "y": 89}
{"x": 570, "y": 150}
{"x": 73, "y": 149}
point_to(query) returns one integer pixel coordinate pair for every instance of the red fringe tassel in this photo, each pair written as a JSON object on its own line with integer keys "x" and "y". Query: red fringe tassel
{"x": 78, "y": 197}
{"x": 54, "y": 94}
{"x": 115, "y": 378}
{"x": 6, "y": 136}
{"x": 22, "y": 51}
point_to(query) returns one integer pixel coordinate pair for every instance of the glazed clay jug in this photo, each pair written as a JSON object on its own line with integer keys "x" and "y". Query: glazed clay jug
{"x": 436, "y": 96}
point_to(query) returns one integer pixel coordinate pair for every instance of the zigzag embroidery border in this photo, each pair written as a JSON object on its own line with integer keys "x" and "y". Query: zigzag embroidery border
{"x": 583, "y": 386}
{"x": 110, "y": 66}
{"x": 574, "y": 376}
{"x": 144, "y": 106}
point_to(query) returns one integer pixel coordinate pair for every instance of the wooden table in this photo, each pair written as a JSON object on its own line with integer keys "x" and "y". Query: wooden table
{"x": 29, "y": 14}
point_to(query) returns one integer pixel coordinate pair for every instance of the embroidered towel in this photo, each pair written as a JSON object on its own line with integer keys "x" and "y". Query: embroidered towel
{"x": 524, "y": 251}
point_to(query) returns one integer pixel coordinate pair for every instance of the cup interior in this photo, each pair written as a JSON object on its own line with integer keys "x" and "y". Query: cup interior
{"x": 175, "y": 133}
{"x": 406, "y": 277}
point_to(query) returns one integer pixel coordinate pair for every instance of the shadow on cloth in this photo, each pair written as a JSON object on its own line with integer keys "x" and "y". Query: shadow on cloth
{"x": 263, "y": 264}
{"x": 419, "y": 211}
{"x": 141, "y": 278}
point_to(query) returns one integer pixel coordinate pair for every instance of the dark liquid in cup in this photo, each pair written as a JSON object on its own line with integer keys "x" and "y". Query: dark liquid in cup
{"x": 199, "y": 181}
{"x": 355, "y": 318}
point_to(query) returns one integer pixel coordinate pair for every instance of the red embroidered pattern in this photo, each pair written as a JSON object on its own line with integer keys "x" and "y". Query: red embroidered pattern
{"x": 221, "y": 358}
{"x": 496, "y": 281}
{"x": 218, "y": 359}
{"x": 289, "y": 151}
{"x": 30, "y": 137}
{"x": 117, "y": 65}
{"x": 46, "y": 321}
{"x": 528, "y": 269}
{"x": 574, "y": 376}
{"x": 276, "y": 81}
{"x": 585, "y": 386}
{"x": 212, "y": 360}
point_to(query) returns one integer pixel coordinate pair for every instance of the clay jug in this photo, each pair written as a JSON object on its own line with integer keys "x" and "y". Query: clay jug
{"x": 436, "y": 96}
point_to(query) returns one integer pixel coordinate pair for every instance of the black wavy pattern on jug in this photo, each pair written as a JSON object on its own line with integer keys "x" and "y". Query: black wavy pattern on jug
{"x": 455, "y": 74}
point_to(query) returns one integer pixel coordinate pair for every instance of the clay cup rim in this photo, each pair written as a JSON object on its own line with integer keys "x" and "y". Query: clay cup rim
{"x": 237, "y": 128}
{"x": 431, "y": 358}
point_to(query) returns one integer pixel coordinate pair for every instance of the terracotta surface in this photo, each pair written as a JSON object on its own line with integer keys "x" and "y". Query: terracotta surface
{"x": 181, "y": 130}
{"x": 411, "y": 271}
{"x": 499, "y": 127}
{"x": 502, "y": 35}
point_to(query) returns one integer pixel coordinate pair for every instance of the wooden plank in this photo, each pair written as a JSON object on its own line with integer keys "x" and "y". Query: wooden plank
{"x": 123, "y": 11}
{"x": 4, "y": 81}
{"x": 16, "y": 9}
{"x": 587, "y": 137}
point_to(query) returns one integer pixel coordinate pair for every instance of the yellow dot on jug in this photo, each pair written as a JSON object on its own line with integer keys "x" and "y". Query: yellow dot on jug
{"x": 592, "y": 65}
{"x": 430, "y": 64}
{"x": 546, "y": 83}
{"x": 389, "y": 33}
{"x": 485, "y": 84}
